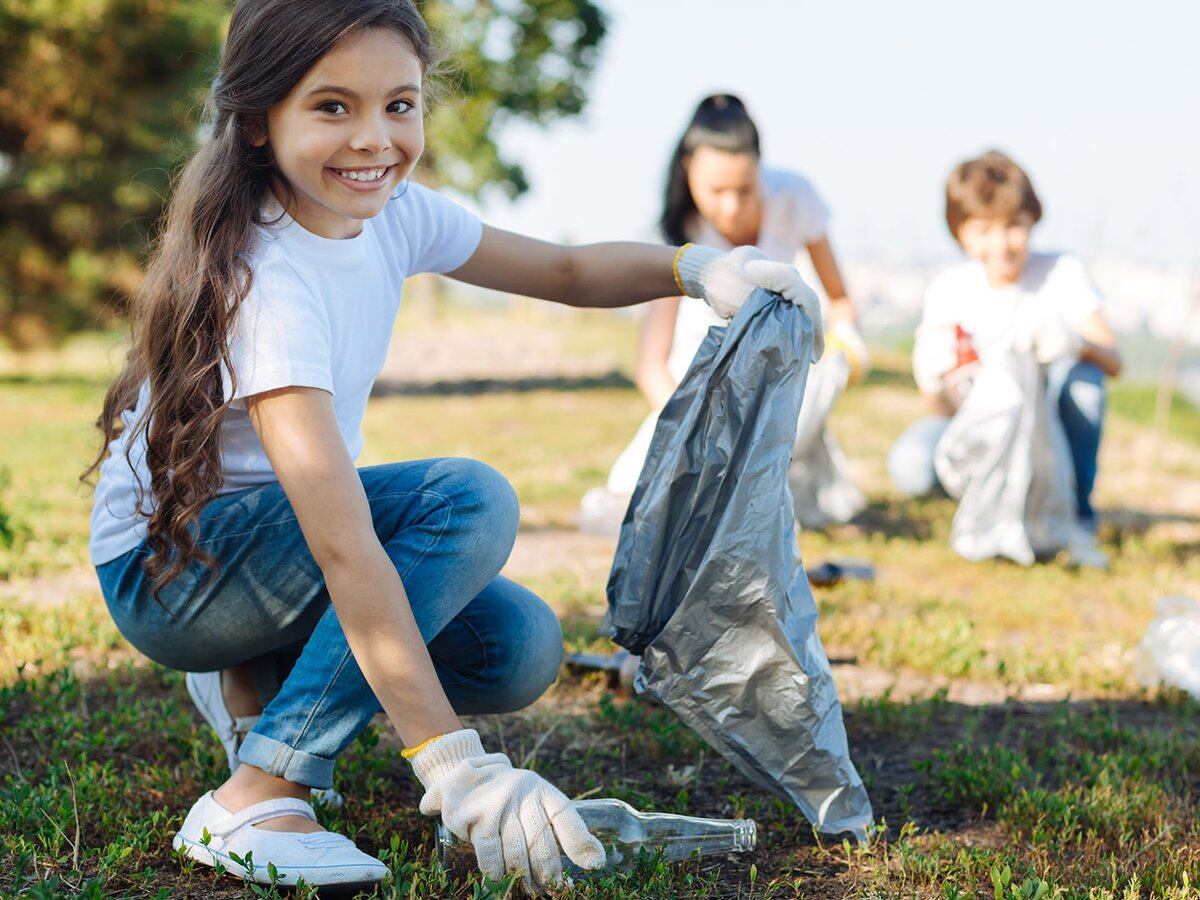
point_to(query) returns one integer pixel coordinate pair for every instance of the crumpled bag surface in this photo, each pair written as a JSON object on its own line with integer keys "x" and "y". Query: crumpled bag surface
{"x": 823, "y": 489}
{"x": 1004, "y": 457}
{"x": 707, "y": 583}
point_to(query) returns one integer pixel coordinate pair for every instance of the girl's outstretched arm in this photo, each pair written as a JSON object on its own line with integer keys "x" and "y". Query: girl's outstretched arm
{"x": 621, "y": 274}
{"x": 603, "y": 275}
{"x": 299, "y": 432}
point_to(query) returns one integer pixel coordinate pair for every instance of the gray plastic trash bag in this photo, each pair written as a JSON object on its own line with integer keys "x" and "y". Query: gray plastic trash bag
{"x": 823, "y": 490}
{"x": 707, "y": 583}
{"x": 1004, "y": 457}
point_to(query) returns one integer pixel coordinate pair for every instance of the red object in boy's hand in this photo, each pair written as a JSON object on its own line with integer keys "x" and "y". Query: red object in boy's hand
{"x": 966, "y": 362}
{"x": 964, "y": 350}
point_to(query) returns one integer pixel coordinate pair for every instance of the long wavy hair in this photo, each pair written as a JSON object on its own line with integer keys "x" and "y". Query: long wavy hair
{"x": 720, "y": 122}
{"x": 182, "y": 313}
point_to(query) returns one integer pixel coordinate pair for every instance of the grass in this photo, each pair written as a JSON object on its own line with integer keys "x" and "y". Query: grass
{"x": 991, "y": 709}
{"x": 1136, "y": 403}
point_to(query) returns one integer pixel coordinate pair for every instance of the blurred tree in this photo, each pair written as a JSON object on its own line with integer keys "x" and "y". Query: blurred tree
{"x": 510, "y": 59}
{"x": 100, "y": 103}
{"x": 97, "y": 102}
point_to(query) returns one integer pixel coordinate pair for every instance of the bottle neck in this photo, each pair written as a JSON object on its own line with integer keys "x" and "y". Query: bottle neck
{"x": 745, "y": 835}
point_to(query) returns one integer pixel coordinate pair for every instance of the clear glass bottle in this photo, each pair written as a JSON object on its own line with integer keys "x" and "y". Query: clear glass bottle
{"x": 624, "y": 831}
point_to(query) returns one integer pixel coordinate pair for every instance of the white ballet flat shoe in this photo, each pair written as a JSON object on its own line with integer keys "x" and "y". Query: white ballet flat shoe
{"x": 211, "y": 834}
{"x": 205, "y": 690}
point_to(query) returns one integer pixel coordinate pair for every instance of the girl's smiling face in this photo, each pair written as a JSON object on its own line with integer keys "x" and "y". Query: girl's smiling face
{"x": 349, "y": 132}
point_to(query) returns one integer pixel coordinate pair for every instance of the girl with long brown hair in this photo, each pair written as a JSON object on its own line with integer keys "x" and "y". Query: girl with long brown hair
{"x": 233, "y": 536}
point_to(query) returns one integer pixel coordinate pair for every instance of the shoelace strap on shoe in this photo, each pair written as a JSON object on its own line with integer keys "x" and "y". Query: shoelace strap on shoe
{"x": 261, "y": 812}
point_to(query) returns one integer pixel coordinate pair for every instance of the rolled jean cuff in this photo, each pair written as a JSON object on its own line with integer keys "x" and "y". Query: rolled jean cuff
{"x": 282, "y": 761}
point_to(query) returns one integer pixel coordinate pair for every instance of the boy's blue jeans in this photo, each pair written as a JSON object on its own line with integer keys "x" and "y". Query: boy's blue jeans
{"x": 1079, "y": 387}
{"x": 448, "y": 525}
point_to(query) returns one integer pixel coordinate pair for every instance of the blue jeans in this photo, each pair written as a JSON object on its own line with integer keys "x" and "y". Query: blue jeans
{"x": 448, "y": 526}
{"x": 1079, "y": 387}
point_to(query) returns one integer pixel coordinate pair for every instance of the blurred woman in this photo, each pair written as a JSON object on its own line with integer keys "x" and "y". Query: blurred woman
{"x": 718, "y": 193}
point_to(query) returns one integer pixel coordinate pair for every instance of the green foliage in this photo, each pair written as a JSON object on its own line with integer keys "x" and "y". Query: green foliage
{"x": 1137, "y": 403}
{"x": 527, "y": 60}
{"x": 977, "y": 777}
{"x": 100, "y": 103}
{"x": 10, "y": 529}
{"x": 1004, "y": 887}
{"x": 97, "y": 104}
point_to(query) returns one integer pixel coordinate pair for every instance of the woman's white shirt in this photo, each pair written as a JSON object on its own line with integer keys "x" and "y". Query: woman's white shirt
{"x": 794, "y": 216}
{"x": 320, "y": 314}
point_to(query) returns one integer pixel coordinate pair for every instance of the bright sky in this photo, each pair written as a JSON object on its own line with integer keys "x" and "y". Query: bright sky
{"x": 876, "y": 101}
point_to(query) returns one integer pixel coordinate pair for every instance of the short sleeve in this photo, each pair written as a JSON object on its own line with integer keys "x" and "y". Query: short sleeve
{"x": 1073, "y": 290}
{"x": 441, "y": 234}
{"x": 810, "y": 214}
{"x": 280, "y": 336}
{"x": 934, "y": 342}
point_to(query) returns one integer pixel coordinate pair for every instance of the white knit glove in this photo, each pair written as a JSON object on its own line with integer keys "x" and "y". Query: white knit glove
{"x": 1051, "y": 338}
{"x": 1055, "y": 339}
{"x": 515, "y": 819}
{"x": 725, "y": 280}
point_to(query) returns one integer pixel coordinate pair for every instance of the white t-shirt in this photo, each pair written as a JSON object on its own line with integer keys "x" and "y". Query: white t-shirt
{"x": 1051, "y": 284}
{"x": 319, "y": 314}
{"x": 793, "y": 216}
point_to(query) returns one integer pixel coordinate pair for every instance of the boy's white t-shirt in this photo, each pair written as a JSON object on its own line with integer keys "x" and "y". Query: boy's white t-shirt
{"x": 319, "y": 314}
{"x": 1051, "y": 284}
{"x": 794, "y": 215}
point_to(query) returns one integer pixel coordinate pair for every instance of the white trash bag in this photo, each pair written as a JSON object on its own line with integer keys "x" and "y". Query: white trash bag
{"x": 1004, "y": 457}
{"x": 1170, "y": 651}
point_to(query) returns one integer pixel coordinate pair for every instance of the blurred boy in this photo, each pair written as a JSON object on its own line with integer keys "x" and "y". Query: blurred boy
{"x": 1002, "y": 296}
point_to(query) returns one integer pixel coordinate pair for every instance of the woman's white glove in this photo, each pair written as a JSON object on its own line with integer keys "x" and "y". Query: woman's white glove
{"x": 725, "y": 280}
{"x": 515, "y": 819}
{"x": 845, "y": 338}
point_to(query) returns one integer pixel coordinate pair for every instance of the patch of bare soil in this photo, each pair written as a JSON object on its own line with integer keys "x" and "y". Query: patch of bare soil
{"x": 455, "y": 352}
{"x": 51, "y": 590}
{"x": 541, "y": 551}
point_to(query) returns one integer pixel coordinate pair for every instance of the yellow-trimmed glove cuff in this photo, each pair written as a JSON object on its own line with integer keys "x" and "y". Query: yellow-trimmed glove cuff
{"x": 691, "y": 263}
{"x": 435, "y": 759}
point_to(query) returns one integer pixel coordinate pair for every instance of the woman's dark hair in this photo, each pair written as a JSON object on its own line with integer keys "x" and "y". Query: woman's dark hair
{"x": 198, "y": 276}
{"x": 720, "y": 122}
